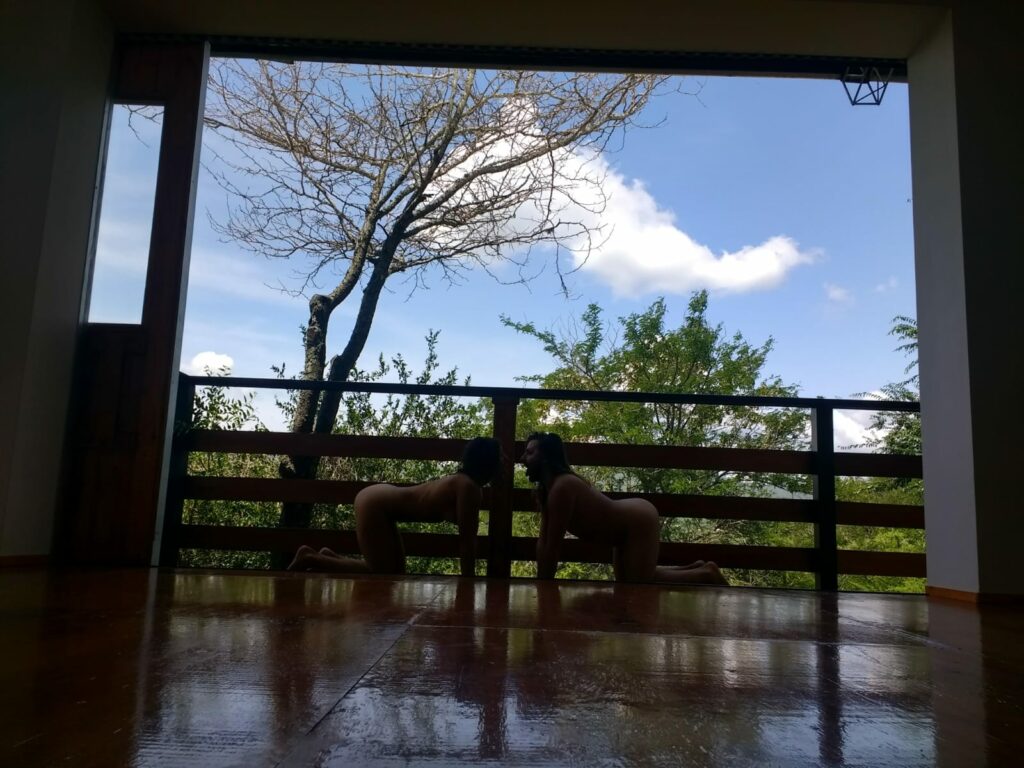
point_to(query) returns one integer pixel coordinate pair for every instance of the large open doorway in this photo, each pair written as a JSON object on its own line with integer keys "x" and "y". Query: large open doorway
{"x": 594, "y": 225}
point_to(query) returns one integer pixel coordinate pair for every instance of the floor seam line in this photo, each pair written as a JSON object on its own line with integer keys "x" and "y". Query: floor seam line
{"x": 408, "y": 624}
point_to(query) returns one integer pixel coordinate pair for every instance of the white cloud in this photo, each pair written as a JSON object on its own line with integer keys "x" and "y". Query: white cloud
{"x": 637, "y": 247}
{"x": 214, "y": 361}
{"x": 645, "y": 252}
{"x": 837, "y": 294}
{"x": 888, "y": 285}
{"x": 248, "y": 339}
{"x": 851, "y": 428}
{"x": 641, "y": 250}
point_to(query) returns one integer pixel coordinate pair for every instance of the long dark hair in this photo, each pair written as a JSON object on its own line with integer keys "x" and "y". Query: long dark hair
{"x": 481, "y": 459}
{"x": 552, "y": 451}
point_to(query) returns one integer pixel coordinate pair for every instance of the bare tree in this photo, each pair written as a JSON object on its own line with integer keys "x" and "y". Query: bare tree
{"x": 361, "y": 173}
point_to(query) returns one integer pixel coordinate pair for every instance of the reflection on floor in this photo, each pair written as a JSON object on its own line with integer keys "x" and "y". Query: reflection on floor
{"x": 200, "y": 669}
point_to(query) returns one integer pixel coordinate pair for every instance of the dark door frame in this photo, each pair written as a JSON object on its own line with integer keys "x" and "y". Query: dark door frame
{"x": 122, "y": 408}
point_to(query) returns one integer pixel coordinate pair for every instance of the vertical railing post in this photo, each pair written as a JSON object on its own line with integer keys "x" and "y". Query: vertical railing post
{"x": 184, "y": 405}
{"x": 499, "y": 529}
{"x": 825, "y": 541}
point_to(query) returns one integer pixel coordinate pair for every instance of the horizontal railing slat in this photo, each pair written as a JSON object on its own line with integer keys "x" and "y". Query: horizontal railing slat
{"x": 439, "y": 449}
{"x": 246, "y": 539}
{"x": 708, "y": 507}
{"x": 903, "y": 564}
{"x": 523, "y": 548}
{"x": 673, "y": 553}
{"x": 272, "y": 489}
{"x": 739, "y": 556}
{"x": 254, "y": 539}
{"x": 344, "y": 491}
{"x": 878, "y": 465}
{"x": 689, "y": 457}
{"x": 582, "y": 454}
{"x": 258, "y": 489}
{"x": 880, "y": 515}
{"x": 527, "y": 393}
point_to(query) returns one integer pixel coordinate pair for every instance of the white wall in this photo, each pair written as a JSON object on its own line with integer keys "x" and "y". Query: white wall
{"x": 966, "y": 147}
{"x": 942, "y": 317}
{"x": 987, "y": 43}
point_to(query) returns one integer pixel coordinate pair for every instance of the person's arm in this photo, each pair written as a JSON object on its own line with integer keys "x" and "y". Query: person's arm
{"x": 554, "y": 520}
{"x": 467, "y": 515}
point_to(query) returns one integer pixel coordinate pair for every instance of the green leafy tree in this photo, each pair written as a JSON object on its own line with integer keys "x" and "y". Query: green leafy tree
{"x": 899, "y": 432}
{"x": 644, "y": 354}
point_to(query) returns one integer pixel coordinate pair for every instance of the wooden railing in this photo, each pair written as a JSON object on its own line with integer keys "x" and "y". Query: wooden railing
{"x": 499, "y": 547}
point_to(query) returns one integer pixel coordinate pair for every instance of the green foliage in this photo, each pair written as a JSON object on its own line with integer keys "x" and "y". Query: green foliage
{"x": 897, "y": 433}
{"x": 696, "y": 358}
{"x": 877, "y": 539}
{"x": 215, "y": 408}
{"x": 900, "y": 432}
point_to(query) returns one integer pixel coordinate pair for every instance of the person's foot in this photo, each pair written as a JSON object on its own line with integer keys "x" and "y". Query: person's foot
{"x": 300, "y": 562}
{"x": 715, "y": 575}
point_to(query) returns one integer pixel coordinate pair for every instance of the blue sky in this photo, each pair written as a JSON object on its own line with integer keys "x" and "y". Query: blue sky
{"x": 816, "y": 190}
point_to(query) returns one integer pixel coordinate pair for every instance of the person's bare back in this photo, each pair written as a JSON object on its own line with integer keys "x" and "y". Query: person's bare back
{"x": 378, "y": 508}
{"x": 430, "y": 502}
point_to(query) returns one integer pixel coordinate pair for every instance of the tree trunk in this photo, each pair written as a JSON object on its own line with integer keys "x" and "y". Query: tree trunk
{"x": 304, "y": 416}
{"x": 308, "y": 416}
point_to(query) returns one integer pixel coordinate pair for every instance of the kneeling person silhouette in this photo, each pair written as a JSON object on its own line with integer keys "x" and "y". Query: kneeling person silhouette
{"x": 569, "y": 504}
{"x": 454, "y": 498}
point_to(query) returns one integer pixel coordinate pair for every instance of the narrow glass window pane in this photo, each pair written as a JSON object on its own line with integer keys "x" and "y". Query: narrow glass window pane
{"x": 126, "y": 215}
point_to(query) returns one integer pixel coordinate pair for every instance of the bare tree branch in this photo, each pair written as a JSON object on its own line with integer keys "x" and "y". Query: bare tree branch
{"x": 358, "y": 173}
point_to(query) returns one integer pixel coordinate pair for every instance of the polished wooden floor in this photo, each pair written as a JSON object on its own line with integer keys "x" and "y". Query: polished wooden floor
{"x": 198, "y": 669}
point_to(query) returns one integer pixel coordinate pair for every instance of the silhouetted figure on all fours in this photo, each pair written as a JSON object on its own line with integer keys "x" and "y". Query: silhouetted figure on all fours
{"x": 569, "y": 504}
{"x": 379, "y": 508}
